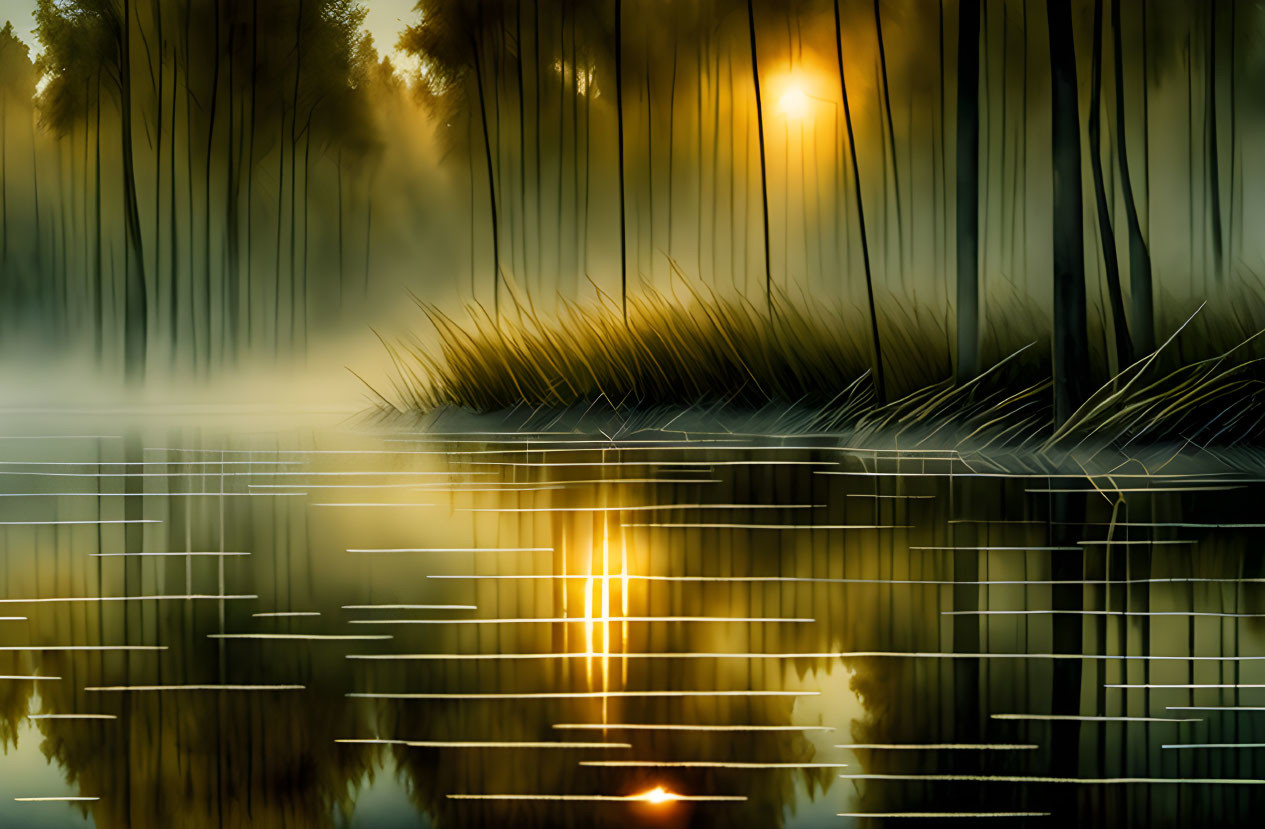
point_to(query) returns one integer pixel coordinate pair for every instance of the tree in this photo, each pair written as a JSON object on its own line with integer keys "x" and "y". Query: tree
{"x": 1107, "y": 236}
{"x": 81, "y": 38}
{"x": 880, "y": 386}
{"x": 619, "y": 110}
{"x": 1071, "y": 361}
{"x": 967, "y": 215}
{"x": 764, "y": 175}
{"x": 452, "y": 37}
{"x": 1142, "y": 320}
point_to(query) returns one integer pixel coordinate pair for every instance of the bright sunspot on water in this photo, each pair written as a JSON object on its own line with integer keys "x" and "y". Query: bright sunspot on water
{"x": 657, "y": 795}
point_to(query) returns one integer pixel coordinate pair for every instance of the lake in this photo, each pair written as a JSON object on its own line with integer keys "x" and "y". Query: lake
{"x": 313, "y": 621}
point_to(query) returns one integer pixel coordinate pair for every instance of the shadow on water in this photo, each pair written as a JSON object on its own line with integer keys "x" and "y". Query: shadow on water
{"x": 558, "y": 630}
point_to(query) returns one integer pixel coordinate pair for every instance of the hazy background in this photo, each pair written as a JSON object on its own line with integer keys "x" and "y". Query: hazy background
{"x": 295, "y": 184}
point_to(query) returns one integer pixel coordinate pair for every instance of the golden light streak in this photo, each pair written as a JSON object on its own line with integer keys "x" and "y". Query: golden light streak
{"x": 941, "y": 814}
{"x": 834, "y": 655}
{"x": 332, "y": 637}
{"x": 484, "y": 744}
{"x": 30, "y": 678}
{"x": 580, "y": 695}
{"x": 607, "y": 798}
{"x": 410, "y": 607}
{"x": 124, "y": 599}
{"x": 678, "y": 727}
{"x": 987, "y": 778}
{"x": 451, "y": 550}
{"x": 945, "y": 746}
{"x": 111, "y": 688}
{"x": 706, "y": 764}
{"x": 624, "y": 620}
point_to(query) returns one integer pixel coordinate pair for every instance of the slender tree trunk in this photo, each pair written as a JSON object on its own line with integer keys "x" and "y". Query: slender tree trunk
{"x": 764, "y": 175}
{"x": 156, "y": 11}
{"x": 1214, "y": 165}
{"x": 891, "y": 138}
{"x": 487, "y": 152}
{"x": 250, "y": 170}
{"x": 294, "y": 153}
{"x": 619, "y": 109}
{"x": 173, "y": 250}
{"x": 342, "y": 269}
{"x": 99, "y": 292}
{"x": 4, "y": 178}
{"x": 522, "y": 274}
{"x": 1142, "y": 322}
{"x": 232, "y": 212}
{"x": 1071, "y": 363}
{"x": 676, "y": 48}
{"x": 967, "y": 213}
{"x": 880, "y": 386}
{"x": 136, "y": 321}
{"x": 206, "y": 185}
{"x": 1124, "y": 348}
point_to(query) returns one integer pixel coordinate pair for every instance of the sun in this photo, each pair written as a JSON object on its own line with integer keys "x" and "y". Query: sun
{"x": 794, "y": 103}
{"x": 657, "y": 795}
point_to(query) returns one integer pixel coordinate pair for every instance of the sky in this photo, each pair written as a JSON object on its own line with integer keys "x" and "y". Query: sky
{"x": 385, "y": 20}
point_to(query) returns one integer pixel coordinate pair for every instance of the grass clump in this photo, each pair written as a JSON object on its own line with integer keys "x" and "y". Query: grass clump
{"x": 813, "y": 361}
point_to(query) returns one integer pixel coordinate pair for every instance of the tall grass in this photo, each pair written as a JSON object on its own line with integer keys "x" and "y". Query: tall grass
{"x": 698, "y": 349}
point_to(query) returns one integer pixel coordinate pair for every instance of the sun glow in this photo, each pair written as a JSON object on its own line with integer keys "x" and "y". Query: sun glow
{"x": 794, "y": 103}
{"x": 657, "y": 795}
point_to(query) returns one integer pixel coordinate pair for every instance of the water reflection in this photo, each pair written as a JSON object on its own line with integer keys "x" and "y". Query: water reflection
{"x": 264, "y": 628}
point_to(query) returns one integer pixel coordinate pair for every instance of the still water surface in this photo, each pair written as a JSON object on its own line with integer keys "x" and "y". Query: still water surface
{"x": 209, "y": 624}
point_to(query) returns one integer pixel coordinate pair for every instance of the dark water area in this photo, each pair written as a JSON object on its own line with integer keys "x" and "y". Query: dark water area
{"x": 347, "y": 625}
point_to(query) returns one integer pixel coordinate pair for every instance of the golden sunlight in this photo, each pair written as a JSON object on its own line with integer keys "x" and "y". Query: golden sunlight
{"x": 794, "y": 103}
{"x": 657, "y": 795}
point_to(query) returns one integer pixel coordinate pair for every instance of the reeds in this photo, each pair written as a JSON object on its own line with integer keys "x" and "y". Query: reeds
{"x": 812, "y": 360}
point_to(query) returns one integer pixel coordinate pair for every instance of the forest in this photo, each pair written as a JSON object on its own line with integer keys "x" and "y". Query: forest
{"x": 723, "y": 201}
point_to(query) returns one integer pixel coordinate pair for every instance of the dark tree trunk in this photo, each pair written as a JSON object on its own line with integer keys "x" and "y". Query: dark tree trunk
{"x": 136, "y": 306}
{"x": 880, "y": 386}
{"x": 1071, "y": 363}
{"x": 1124, "y": 349}
{"x": 1142, "y": 320}
{"x": 891, "y": 138}
{"x": 487, "y": 152}
{"x": 1210, "y": 119}
{"x": 619, "y": 109}
{"x": 967, "y": 213}
{"x": 764, "y": 177}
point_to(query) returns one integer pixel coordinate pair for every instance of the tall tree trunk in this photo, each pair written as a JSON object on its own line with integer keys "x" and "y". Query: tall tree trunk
{"x": 880, "y": 385}
{"x": 294, "y": 153}
{"x": 1142, "y": 321}
{"x": 206, "y": 185}
{"x": 619, "y": 109}
{"x": 250, "y": 169}
{"x": 676, "y": 48}
{"x": 4, "y": 178}
{"x": 156, "y": 12}
{"x": 99, "y": 291}
{"x": 967, "y": 214}
{"x": 1071, "y": 362}
{"x": 487, "y": 153}
{"x": 135, "y": 320}
{"x": 1124, "y": 349}
{"x": 522, "y": 274}
{"x": 891, "y": 138}
{"x": 1210, "y": 120}
{"x": 764, "y": 175}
